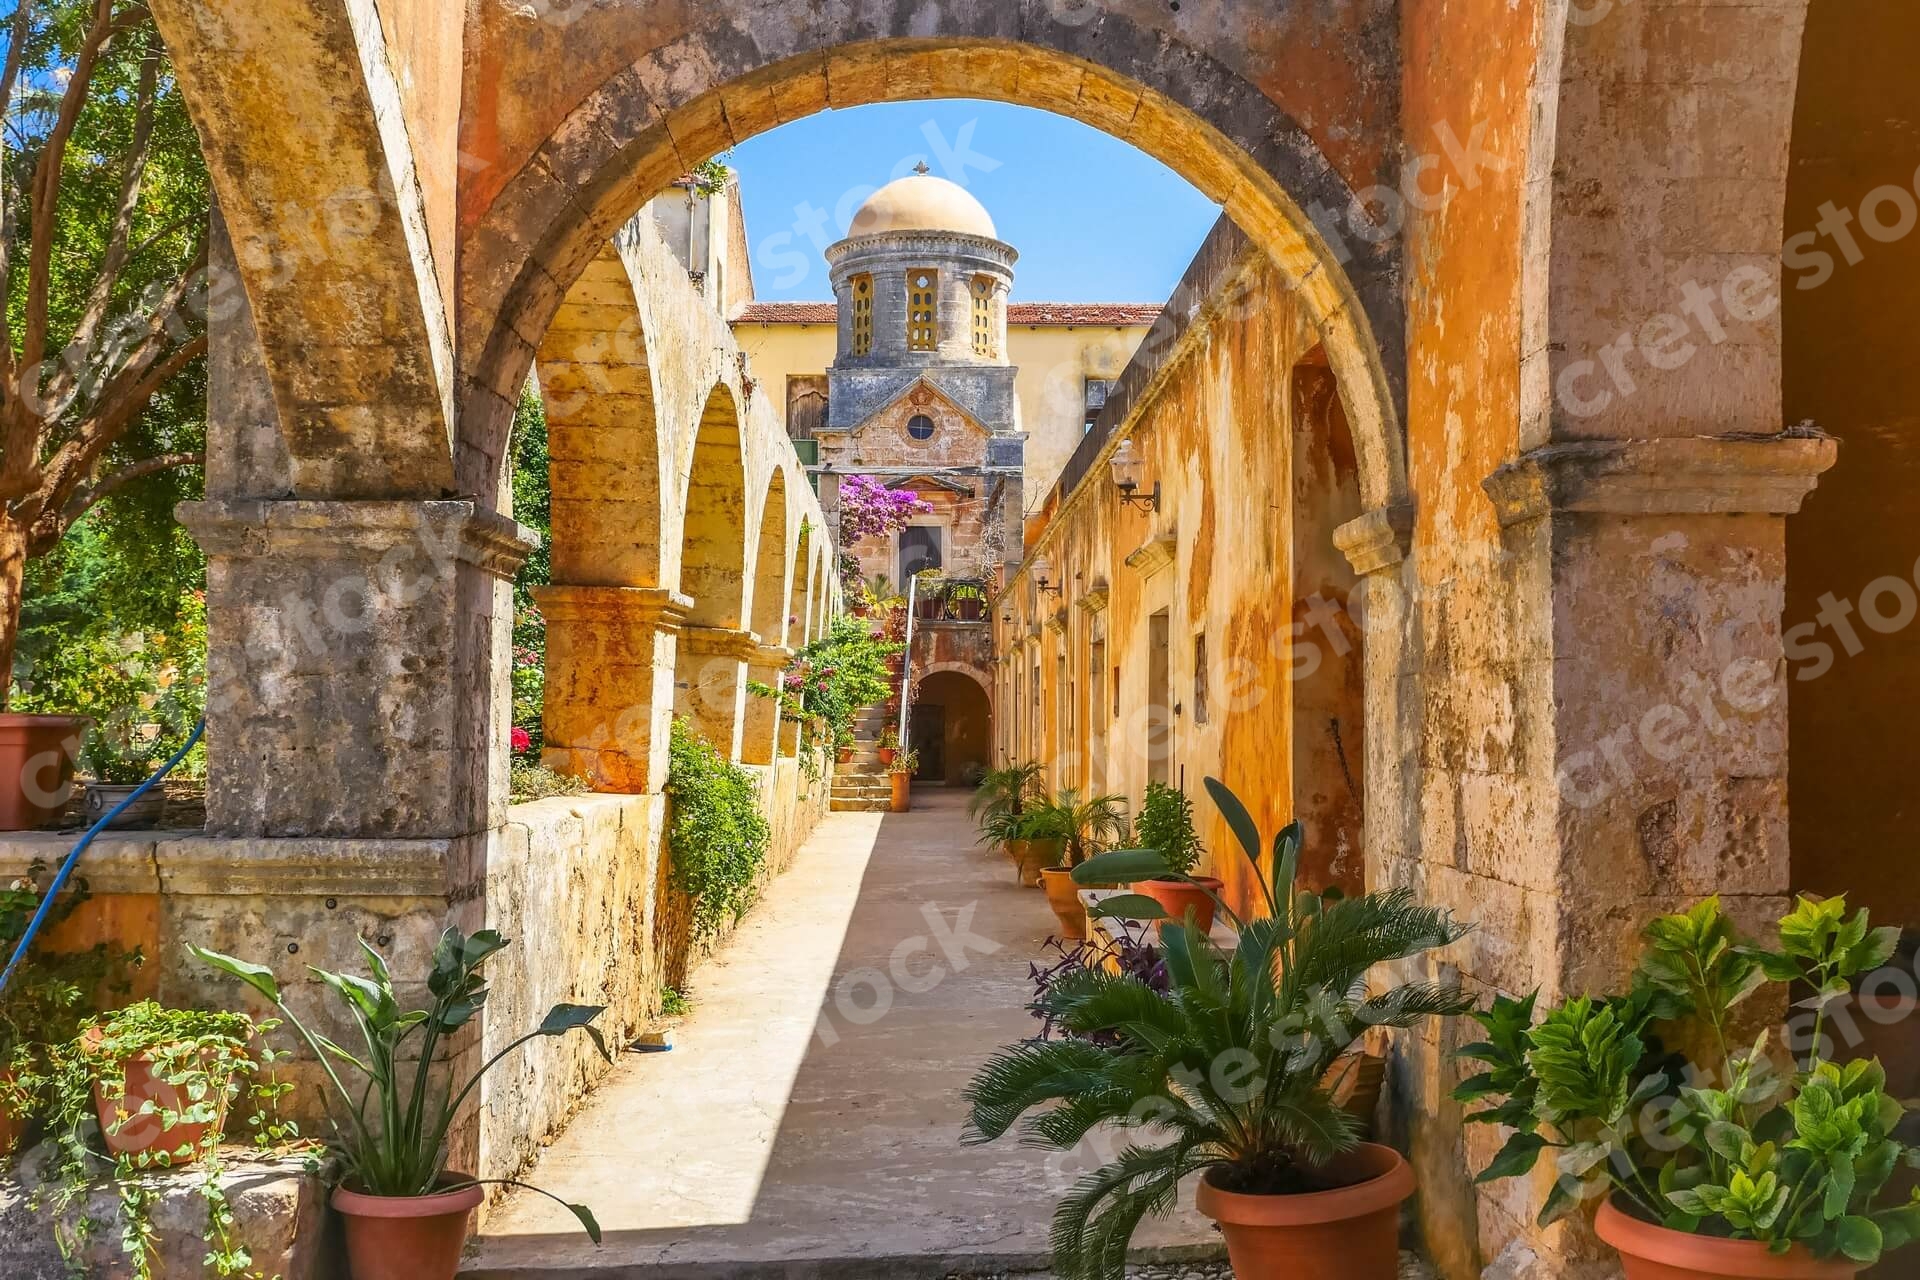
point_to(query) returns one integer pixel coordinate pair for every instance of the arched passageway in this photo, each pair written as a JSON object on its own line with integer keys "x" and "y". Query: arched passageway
{"x": 771, "y": 597}
{"x": 951, "y": 726}
{"x": 710, "y": 680}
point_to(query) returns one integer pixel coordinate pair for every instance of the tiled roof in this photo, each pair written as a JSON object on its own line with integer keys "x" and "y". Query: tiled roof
{"x": 1018, "y": 313}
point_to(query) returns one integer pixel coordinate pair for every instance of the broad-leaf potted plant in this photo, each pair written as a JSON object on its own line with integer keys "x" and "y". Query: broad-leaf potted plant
{"x": 1166, "y": 826}
{"x": 1719, "y": 1163}
{"x": 1082, "y": 828}
{"x": 900, "y": 772}
{"x": 1297, "y": 1194}
{"x": 406, "y": 1213}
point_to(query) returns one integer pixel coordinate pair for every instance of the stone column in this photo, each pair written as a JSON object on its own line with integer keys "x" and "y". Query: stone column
{"x": 357, "y": 665}
{"x": 760, "y": 735}
{"x": 710, "y": 683}
{"x": 610, "y": 666}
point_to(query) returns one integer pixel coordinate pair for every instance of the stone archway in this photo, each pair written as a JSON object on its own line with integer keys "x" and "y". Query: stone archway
{"x": 710, "y": 669}
{"x": 771, "y": 592}
{"x": 951, "y": 723}
{"x": 647, "y": 122}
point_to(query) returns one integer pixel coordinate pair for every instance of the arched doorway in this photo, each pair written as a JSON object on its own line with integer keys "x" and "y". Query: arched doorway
{"x": 951, "y": 726}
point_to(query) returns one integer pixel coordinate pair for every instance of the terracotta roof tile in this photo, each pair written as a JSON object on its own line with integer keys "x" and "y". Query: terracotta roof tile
{"x": 1018, "y": 313}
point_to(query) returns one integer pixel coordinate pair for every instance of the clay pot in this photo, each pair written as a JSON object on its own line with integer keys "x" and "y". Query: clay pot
{"x": 1030, "y": 857}
{"x": 142, "y": 814}
{"x": 148, "y": 1133}
{"x": 1351, "y": 1233}
{"x": 902, "y": 791}
{"x": 845, "y": 755}
{"x": 1649, "y": 1252}
{"x": 886, "y": 754}
{"x": 1063, "y": 895}
{"x": 36, "y": 768}
{"x": 1176, "y": 896}
{"x": 407, "y": 1237}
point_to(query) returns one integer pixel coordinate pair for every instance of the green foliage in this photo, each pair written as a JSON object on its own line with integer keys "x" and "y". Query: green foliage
{"x": 838, "y": 675}
{"x": 536, "y": 782}
{"x": 1228, "y": 1065}
{"x": 716, "y": 836}
{"x": 209, "y": 1062}
{"x": 533, "y": 507}
{"x": 1084, "y": 827}
{"x": 1727, "y": 1147}
{"x": 1166, "y": 826}
{"x": 907, "y": 762}
{"x": 394, "y": 1141}
{"x": 1002, "y": 798}
{"x": 675, "y": 1003}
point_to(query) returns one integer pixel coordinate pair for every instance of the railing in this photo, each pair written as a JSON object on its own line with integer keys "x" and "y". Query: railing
{"x": 953, "y": 600}
{"x": 906, "y": 660}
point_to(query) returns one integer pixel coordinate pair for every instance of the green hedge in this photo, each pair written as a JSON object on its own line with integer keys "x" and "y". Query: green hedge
{"x": 717, "y": 838}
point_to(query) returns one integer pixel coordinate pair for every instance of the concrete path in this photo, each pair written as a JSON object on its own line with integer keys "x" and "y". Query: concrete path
{"x": 807, "y": 1120}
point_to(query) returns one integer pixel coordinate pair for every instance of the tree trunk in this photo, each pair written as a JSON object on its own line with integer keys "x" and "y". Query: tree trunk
{"x": 13, "y": 572}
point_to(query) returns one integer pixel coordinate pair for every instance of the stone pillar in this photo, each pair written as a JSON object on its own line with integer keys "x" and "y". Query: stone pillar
{"x": 610, "y": 666}
{"x": 357, "y": 665}
{"x": 761, "y": 733}
{"x": 710, "y": 683}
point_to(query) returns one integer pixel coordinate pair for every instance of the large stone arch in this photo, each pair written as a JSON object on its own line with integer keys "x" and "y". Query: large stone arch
{"x": 768, "y": 613}
{"x": 718, "y": 83}
{"x": 715, "y": 645}
{"x": 603, "y": 434}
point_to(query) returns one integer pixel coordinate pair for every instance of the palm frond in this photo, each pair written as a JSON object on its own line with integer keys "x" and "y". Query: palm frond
{"x": 1096, "y": 1219}
{"x": 1024, "y": 1075}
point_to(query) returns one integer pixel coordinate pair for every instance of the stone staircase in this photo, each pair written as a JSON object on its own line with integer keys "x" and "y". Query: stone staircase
{"x": 861, "y": 784}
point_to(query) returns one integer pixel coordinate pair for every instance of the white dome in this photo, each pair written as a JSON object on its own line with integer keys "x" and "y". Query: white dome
{"x": 922, "y": 202}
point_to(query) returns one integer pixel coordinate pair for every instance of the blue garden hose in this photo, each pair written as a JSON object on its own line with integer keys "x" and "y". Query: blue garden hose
{"x": 73, "y": 859}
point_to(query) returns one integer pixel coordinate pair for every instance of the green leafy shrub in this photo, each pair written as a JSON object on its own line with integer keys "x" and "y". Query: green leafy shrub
{"x": 716, "y": 836}
{"x": 838, "y": 675}
{"x": 1288, "y": 1003}
{"x": 1002, "y": 798}
{"x": 1726, "y": 1144}
{"x": 1166, "y": 827}
{"x": 1083, "y": 827}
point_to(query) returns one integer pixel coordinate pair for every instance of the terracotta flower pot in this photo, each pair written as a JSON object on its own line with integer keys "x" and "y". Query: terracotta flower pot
{"x": 36, "y": 768}
{"x": 1176, "y": 896}
{"x": 1063, "y": 895}
{"x": 886, "y": 754}
{"x": 149, "y": 1132}
{"x": 1350, "y": 1233}
{"x": 902, "y": 791}
{"x": 1030, "y": 857}
{"x": 845, "y": 755}
{"x": 1650, "y": 1252}
{"x": 407, "y": 1237}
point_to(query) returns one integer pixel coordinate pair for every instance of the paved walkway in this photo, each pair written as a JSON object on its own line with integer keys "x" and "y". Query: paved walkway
{"x": 792, "y": 1131}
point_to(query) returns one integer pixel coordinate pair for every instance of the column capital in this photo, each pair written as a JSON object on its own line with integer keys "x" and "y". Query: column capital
{"x": 1683, "y": 475}
{"x": 660, "y": 607}
{"x": 719, "y": 642}
{"x": 1378, "y": 540}
{"x": 449, "y": 530}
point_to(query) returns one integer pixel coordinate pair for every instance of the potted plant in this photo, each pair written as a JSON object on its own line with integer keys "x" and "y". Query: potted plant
{"x": 160, "y": 1080}
{"x": 37, "y": 754}
{"x": 900, "y": 771}
{"x": 406, "y": 1214}
{"x": 117, "y": 764}
{"x": 1039, "y": 836}
{"x": 1297, "y": 1194}
{"x": 1716, "y": 1162}
{"x": 1000, "y": 801}
{"x": 889, "y": 746}
{"x": 843, "y": 745}
{"x": 1081, "y": 829}
{"x": 1166, "y": 826}
{"x": 966, "y": 602}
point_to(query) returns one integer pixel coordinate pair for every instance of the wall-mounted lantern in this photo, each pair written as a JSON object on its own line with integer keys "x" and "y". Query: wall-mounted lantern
{"x": 1042, "y": 570}
{"x": 1126, "y": 478}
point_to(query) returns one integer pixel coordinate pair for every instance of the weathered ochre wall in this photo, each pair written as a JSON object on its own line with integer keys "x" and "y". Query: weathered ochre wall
{"x": 1217, "y": 435}
{"x": 1849, "y": 366}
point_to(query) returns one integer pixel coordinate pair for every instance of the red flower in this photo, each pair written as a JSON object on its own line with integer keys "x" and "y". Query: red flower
{"x": 522, "y": 740}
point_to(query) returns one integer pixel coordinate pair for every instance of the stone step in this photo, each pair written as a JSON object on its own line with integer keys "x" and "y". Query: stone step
{"x": 862, "y": 804}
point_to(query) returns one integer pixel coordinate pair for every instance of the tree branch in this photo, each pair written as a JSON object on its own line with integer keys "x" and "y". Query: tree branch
{"x": 18, "y": 28}
{"x": 84, "y": 501}
{"x": 115, "y": 258}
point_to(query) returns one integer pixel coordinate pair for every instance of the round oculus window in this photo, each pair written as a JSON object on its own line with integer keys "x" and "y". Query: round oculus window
{"x": 920, "y": 427}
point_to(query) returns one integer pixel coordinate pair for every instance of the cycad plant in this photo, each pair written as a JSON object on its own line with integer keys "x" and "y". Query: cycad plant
{"x": 1228, "y": 1068}
{"x": 1002, "y": 799}
{"x": 1084, "y": 827}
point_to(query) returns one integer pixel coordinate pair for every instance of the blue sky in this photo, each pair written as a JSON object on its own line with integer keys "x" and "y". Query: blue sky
{"x": 1094, "y": 219}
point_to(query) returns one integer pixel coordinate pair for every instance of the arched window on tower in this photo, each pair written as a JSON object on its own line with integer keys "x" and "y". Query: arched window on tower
{"x": 923, "y": 333}
{"x": 862, "y": 291}
{"x": 983, "y": 344}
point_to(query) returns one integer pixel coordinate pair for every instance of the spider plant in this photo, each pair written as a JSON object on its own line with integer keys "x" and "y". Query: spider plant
{"x": 1002, "y": 799}
{"x": 394, "y": 1141}
{"x": 1228, "y": 1066}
